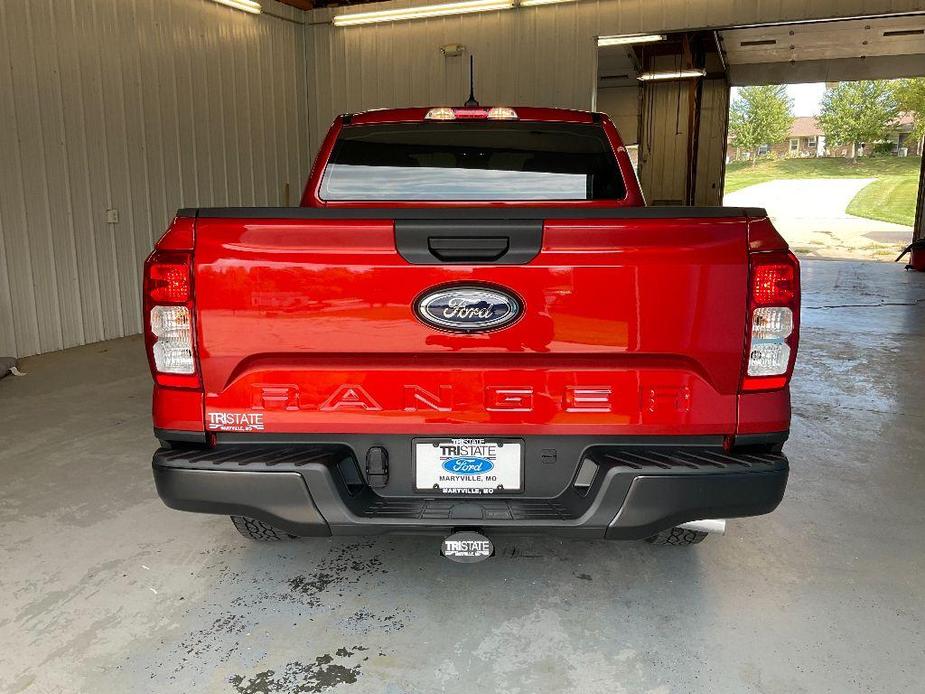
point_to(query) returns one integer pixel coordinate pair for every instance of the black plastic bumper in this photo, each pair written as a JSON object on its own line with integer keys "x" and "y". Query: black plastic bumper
{"x": 316, "y": 490}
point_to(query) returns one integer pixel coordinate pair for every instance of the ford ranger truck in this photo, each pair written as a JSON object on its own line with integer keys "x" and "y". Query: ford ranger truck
{"x": 474, "y": 325}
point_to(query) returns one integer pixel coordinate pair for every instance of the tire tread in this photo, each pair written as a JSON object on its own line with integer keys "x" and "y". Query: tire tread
{"x": 254, "y": 529}
{"x": 679, "y": 537}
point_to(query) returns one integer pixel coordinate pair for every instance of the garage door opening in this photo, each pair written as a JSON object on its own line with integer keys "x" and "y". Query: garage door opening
{"x": 835, "y": 160}
{"x": 801, "y": 152}
{"x": 833, "y": 192}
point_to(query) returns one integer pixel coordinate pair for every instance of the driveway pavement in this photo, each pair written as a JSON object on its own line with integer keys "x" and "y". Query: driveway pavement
{"x": 810, "y": 213}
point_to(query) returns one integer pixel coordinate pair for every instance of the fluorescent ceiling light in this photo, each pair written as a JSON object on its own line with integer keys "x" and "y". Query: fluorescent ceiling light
{"x": 343, "y": 20}
{"x": 245, "y": 5}
{"x": 532, "y": 3}
{"x": 671, "y": 75}
{"x": 629, "y": 40}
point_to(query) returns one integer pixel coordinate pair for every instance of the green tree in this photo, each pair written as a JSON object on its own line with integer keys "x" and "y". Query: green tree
{"x": 760, "y": 116}
{"x": 910, "y": 97}
{"x": 857, "y": 112}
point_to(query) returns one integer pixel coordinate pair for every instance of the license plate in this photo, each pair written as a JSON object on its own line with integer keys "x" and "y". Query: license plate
{"x": 468, "y": 466}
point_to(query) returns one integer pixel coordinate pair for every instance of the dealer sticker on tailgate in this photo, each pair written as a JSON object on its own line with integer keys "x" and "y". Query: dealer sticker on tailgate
{"x": 468, "y": 466}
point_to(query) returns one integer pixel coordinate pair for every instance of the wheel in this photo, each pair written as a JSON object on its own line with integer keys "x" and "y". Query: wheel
{"x": 258, "y": 530}
{"x": 677, "y": 536}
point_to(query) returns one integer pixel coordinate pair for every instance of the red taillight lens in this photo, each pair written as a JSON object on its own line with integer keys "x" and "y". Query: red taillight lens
{"x": 475, "y": 113}
{"x": 168, "y": 281}
{"x": 772, "y": 332}
{"x": 772, "y": 283}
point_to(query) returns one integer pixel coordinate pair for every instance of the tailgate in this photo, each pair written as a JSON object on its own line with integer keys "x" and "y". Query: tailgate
{"x": 628, "y": 326}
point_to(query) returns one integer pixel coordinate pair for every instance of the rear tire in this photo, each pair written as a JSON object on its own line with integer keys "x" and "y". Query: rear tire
{"x": 254, "y": 529}
{"x": 680, "y": 537}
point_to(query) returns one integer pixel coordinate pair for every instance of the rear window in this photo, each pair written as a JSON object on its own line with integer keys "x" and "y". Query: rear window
{"x": 483, "y": 160}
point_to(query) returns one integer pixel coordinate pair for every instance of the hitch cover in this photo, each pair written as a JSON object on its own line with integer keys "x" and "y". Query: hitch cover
{"x": 467, "y": 547}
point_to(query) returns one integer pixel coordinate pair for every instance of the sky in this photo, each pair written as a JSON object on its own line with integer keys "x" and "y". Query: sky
{"x": 806, "y": 98}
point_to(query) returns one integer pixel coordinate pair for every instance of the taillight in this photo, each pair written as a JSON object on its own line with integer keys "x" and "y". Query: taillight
{"x": 773, "y": 320}
{"x": 169, "y": 334}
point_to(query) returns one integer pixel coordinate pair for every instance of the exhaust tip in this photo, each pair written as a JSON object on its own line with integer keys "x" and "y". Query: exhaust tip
{"x": 714, "y": 526}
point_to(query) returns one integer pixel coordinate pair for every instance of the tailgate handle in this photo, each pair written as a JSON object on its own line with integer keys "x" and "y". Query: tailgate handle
{"x": 458, "y": 240}
{"x": 467, "y": 248}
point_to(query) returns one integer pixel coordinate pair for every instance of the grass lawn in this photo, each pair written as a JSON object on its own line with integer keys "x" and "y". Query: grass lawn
{"x": 891, "y": 198}
{"x": 741, "y": 174}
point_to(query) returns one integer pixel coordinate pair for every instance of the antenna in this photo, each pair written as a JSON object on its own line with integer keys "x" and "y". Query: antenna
{"x": 471, "y": 101}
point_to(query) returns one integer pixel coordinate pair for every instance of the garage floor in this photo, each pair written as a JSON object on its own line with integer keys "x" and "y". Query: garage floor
{"x": 106, "y": 590}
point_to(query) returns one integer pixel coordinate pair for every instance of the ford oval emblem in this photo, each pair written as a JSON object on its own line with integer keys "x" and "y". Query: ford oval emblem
{"x": 468, "y": 466}
{"x": 469, "y": 309}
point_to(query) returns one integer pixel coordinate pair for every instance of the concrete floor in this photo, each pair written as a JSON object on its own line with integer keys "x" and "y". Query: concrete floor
{"x": 106, "y": 590}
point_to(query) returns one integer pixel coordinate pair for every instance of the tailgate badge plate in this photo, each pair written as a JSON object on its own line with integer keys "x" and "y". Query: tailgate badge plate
{"x": 468, "y": 309}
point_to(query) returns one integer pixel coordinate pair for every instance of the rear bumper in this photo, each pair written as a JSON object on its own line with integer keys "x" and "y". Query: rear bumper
{"x": 309, "y": 490}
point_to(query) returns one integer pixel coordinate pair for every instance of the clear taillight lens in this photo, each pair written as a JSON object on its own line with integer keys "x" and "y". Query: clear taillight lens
{"x": 768, "y": 359}
{"x": 775, "y": 323}
{"x": 502, "y": 113}
{"x": 440, "y": 113}
{"x": 770, "y": 354}
{"x": 173, "y": 346}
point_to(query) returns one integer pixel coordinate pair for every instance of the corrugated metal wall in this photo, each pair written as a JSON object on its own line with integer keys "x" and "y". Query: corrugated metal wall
{"x": 147, "y": 105}
{"x": 530, "y": 56}
{"x": 663, "y": 140}
{"x": 139, "y": 105}
{"x": 525, "y": 57}
{"x": 622, "y": 105}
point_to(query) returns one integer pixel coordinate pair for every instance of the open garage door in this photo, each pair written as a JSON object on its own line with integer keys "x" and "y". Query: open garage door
{"x": 833, "y": 198}
{"x": 669, "y": 95}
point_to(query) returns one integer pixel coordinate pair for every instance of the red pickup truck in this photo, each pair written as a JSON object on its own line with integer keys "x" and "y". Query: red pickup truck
{"x": 472, "y": 324}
